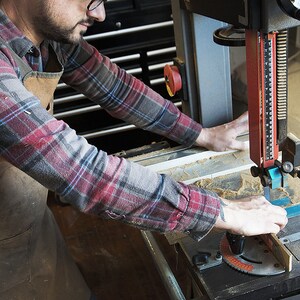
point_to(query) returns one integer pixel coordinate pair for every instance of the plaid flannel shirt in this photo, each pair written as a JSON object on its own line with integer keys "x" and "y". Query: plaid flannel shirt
{"x": 50, "y": 151}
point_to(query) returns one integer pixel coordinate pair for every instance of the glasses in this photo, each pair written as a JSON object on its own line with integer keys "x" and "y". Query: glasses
{"x": 94, "y": 4}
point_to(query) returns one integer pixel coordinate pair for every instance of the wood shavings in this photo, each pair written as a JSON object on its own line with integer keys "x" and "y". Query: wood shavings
{"x": 243, "y": 184}
{"x": 233, "y": 186}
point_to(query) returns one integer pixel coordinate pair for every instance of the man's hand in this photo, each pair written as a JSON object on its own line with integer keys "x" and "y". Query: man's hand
{"x": 251, "y": 216}
{"x": 223, "y": 137}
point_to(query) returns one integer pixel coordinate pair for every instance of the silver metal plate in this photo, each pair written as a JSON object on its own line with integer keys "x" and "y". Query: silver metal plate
{"x": 256, "y": 258}
{"x": 290, "y": 238}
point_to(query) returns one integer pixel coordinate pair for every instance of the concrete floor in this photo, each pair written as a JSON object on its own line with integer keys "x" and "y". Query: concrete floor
{"x": 113, "y": 257}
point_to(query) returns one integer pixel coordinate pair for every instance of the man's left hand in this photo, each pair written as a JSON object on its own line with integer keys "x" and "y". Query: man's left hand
{"x": 224, "y": 137}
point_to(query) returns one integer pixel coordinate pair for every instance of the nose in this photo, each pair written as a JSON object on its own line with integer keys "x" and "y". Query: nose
{"x": 98, "y": 14}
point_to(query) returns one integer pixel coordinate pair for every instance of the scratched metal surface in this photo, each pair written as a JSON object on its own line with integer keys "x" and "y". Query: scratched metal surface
{"x": 209, "y": 166}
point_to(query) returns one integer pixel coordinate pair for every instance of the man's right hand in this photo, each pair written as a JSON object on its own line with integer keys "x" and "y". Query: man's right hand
{"x": 251, "y": 216}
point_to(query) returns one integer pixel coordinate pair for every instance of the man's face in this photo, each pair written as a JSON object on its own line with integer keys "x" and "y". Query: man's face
{"x": 65, "y": 20}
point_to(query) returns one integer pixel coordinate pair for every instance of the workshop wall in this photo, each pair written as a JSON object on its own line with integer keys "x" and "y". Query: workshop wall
{"x": 138, "y": 36}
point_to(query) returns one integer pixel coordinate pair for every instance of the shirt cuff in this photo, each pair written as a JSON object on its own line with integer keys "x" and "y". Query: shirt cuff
{"x": 186, "y": 131}
{"x": 204, "y": 209}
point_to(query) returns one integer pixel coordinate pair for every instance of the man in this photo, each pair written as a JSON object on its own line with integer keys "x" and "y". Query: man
{"x": 41, "y": 42}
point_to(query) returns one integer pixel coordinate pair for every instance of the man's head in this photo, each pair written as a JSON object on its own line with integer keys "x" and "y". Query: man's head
{"x": 59, "y": 20}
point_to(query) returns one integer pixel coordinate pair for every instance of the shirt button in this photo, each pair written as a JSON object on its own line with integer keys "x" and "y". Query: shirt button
{"x": 34, "y": 51}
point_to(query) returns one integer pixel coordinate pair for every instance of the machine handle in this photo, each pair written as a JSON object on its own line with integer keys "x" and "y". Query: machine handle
{"x": 172, "y": 79}
{"x": 236, "y": 243}
{"x": 290, "y": 7}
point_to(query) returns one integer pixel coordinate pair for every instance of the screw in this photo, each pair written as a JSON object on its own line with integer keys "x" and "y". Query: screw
{"x": 218, "y": 256}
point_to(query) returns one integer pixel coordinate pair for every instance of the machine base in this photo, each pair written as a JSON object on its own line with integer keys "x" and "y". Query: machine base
{"x": 225, "y": 282}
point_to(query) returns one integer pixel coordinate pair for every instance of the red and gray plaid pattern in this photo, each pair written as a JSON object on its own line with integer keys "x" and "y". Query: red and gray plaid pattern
{"x": 51, "y": 152}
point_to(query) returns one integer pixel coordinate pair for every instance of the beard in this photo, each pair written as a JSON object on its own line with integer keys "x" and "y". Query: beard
{"x": 49, "y": 28}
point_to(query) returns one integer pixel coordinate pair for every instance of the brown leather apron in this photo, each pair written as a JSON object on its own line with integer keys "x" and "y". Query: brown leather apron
{"x": 34, "y": 261}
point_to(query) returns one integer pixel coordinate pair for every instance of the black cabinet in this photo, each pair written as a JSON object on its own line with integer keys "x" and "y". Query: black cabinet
{"x": 138, "y": 36}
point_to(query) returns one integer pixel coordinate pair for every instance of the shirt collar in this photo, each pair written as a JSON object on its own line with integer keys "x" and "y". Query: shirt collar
{"x": 13, "y": 36}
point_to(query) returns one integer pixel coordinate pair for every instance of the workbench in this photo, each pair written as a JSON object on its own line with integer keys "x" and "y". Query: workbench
{"x": 220, "y": 281}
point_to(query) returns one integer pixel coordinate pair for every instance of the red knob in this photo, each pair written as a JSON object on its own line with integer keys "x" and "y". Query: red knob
{"x": 172, "y": 79}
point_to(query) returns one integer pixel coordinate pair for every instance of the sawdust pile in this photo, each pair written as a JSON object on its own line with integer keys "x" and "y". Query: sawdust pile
{"x": 243, "y": 184}
{"x": 232, "y": 186}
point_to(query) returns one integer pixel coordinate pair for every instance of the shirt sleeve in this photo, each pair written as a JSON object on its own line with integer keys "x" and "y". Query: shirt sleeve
{"x": 125, "y": 97}
{"x": 53, "y": 154}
